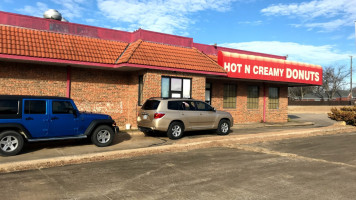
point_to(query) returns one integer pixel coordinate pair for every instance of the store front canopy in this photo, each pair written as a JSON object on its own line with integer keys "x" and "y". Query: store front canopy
{"x": 269, "y": 69}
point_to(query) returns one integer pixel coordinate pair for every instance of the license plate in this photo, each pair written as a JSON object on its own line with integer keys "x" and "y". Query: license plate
{"x": 145, "y": 116}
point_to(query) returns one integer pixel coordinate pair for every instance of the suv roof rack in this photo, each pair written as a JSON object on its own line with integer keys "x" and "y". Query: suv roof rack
{"x": 169, "y": 98}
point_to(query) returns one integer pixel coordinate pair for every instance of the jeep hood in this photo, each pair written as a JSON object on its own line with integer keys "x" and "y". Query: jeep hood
{"x": 94, "y": 115}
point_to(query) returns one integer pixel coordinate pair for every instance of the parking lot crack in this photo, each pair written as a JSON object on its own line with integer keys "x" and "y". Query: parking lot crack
{"x": 50, "y": 179}
{"x": 283, "y": 154}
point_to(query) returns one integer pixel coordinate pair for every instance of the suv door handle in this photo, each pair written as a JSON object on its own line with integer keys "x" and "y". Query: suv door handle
{"x": 54, "y": 118}
{"x": 29, "y": 118}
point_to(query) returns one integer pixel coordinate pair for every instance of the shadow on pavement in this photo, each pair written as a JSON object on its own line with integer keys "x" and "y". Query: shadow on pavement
{"x": 36, "y": 146}
{"x": 293, "y": 117}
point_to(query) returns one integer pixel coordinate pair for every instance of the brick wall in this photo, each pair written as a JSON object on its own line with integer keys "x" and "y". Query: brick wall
{"x": 240, "y": 113}
{"x": 103, "y": 91}
{"x": 32, "y": 79}
{"x": 116, "y": 92}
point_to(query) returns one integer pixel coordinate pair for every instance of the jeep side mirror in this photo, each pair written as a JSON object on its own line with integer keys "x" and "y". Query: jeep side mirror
{"x": 75, "y": 113}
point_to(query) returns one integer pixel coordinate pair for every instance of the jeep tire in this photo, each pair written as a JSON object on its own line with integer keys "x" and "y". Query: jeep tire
{"x": 175, "y": 130}
{"x": 102, "y": 136}
{"x": 223, "y": 127}
{"x": 11, "y": 143}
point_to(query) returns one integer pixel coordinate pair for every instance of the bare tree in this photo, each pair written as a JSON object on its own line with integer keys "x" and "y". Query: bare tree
{"x": 300, "y": 92}
{"x": 333, "y": 80}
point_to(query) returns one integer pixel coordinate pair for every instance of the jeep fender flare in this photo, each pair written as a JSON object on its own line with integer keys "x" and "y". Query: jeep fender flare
{"x": 96, "y": 123}
{"x": 11, "y": 126}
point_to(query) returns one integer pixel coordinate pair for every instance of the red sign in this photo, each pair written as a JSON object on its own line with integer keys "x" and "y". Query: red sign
{"x": 269, "y": 69}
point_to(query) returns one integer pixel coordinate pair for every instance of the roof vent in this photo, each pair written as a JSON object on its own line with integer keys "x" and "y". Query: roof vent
{"x": 53, "y": 14}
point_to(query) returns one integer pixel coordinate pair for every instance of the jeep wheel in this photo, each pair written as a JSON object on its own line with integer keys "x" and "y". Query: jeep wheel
{"x": 223, "y": 127}
{"x": 102, "y": 136}
{"x": 11, "y": 143}
{"x": 175, "y": 130}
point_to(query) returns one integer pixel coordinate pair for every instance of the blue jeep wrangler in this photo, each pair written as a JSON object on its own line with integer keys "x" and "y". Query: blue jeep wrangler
{"x": 38, "y": 118}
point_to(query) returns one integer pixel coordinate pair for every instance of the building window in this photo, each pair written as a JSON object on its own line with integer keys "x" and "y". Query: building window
{"x": 229, "y": 96}
{"x": 173, "y": 87}
{"x": 140, "y": 90}
{"x": 252, "y": 97}
{"x": 208, "y": 93}
{"x": 273, "y": 98}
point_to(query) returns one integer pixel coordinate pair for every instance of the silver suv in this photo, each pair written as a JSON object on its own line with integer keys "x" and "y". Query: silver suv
{"x": 175, "y": 116}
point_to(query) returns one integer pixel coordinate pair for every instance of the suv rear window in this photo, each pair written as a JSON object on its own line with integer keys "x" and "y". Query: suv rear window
{"x": 151, "y": 105}
{"x": 9, "y": 107}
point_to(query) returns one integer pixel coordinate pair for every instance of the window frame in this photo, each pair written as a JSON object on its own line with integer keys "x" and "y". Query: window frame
{"x": 172, "y": 92}
{"x": 253, "y": 101}
{"x": 273, "y": 103}
{"x": 140, "y": 90}
{"x": 231, "y": 93}
{"x": 210, "y": 90}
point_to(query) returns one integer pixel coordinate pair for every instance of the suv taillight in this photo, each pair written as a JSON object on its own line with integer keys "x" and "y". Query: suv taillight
{"x": 158, "y": 115}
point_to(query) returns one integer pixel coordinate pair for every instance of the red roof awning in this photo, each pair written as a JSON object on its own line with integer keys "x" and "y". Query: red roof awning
{"x": 269, "y": 69}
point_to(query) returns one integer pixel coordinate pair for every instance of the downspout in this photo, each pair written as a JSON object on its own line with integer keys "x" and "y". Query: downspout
{"x": 264, "y": 103}
{"x": 69, "y": 73}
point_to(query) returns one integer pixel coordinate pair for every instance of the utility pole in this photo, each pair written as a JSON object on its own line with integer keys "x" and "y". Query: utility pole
{"x": 351, "y": 79}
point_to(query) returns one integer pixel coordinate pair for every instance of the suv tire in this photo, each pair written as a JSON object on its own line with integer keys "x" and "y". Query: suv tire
{"x": 175, "y": 130}
{"x": 11, "y": 143}
{"x": 102, "y": 136}
{"x": 223, "y": 127}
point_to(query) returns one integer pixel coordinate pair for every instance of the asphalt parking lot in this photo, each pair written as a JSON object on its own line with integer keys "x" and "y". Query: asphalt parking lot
{"x": 135, "y": 139}
{"x": 319, "y": 167}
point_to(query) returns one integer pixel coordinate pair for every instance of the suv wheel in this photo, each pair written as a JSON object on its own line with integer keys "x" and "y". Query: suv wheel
{"x": 102, "y": 136}
{"x": 224, "y": 127}
{"x": 175, "y": 130}
{"x": 11, "y": 143}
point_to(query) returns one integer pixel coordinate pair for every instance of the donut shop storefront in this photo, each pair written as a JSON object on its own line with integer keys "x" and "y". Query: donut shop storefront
{"x": 114, "y": 72}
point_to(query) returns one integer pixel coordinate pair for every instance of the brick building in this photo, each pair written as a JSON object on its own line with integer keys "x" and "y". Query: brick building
{"x": 113, "y": 72}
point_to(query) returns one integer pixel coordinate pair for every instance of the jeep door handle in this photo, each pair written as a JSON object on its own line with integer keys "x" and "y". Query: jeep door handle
{"x": 54, "y": 118}
{"x": 29, "y": 118}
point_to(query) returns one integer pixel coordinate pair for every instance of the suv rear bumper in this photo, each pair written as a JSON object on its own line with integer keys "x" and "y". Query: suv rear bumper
{"x": 145, "y": 129}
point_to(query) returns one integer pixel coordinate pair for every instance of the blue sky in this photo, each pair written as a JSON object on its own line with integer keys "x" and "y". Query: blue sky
{"x": 318, "y": 32}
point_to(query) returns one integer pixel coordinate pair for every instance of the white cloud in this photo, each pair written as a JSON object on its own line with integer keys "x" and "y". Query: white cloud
{"x": 253, "y": 23}
{"x": 333, "y": 13}
{"x": 351, "y": 36}
{"x": 70, "y": 9}
{"x": 36, "y": 11}
{"x": 157, "y": 15}
{"x": 321, "y": 55}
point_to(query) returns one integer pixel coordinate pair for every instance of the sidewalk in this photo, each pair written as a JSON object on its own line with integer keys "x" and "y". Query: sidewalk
{"x": 134, "y": 143}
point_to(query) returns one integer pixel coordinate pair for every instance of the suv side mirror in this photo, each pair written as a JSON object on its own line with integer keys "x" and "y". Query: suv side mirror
{"x": 212, "y": 109}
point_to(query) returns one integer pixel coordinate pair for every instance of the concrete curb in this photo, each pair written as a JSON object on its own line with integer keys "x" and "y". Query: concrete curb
{"x": 290, "y": 124}
{"x": 180, "y": 146}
